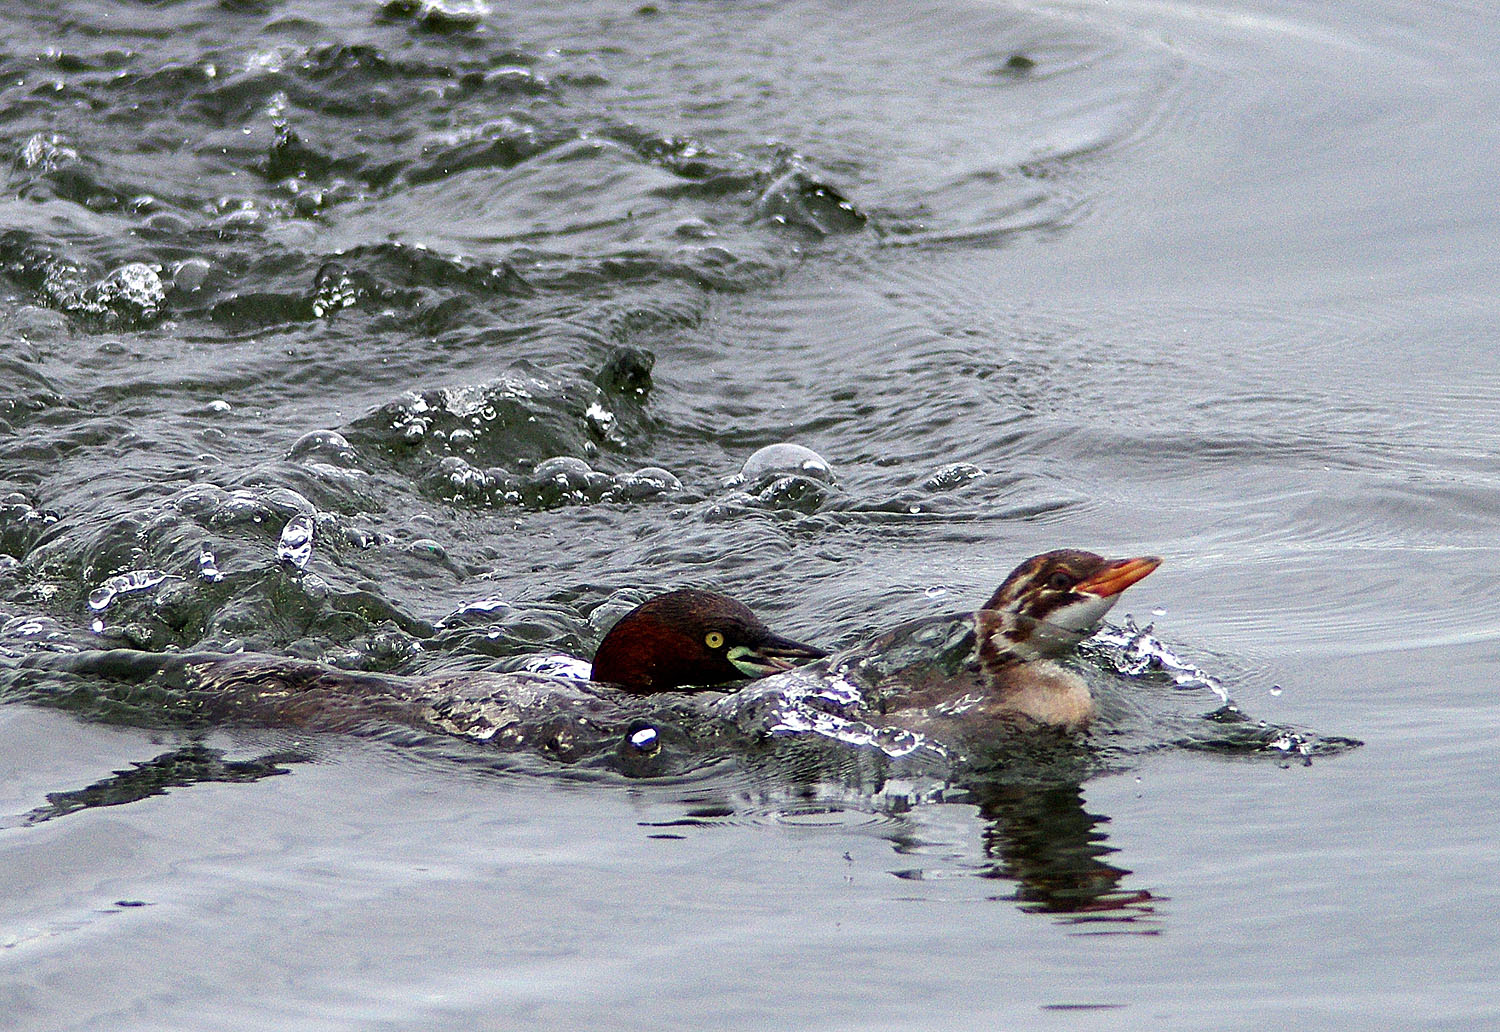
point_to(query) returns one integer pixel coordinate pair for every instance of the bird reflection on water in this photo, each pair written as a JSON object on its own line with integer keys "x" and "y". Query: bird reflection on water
{"x": 1042, "y": 838}
{"x": 1026, "y": 796}
{"x": 181, "y": 767}
{"x": 1038, "y": 836}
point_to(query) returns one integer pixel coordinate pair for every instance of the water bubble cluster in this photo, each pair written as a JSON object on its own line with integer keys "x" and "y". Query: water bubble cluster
{"x": 333, "y": 289}
{"x": 552, "y": 483}
{"x": 214, "y": 506}
{"x": 516, "y": 418}
{"x": 132, "y": 295}
{"x": 45, "y": 152}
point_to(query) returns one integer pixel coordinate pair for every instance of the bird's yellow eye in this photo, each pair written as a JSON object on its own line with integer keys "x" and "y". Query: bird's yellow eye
{"x": 714, "y": 640}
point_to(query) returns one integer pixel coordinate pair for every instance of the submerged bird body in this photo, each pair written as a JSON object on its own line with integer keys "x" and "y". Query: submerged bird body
{"x": 680, "y": 640}
{"x": 997, "y": 663}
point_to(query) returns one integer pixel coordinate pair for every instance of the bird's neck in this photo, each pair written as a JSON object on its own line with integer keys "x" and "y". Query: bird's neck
{"x": 1005, "y": 638}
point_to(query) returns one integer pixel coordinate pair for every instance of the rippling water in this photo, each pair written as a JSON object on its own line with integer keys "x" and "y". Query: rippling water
{"x": 429, "y": 336}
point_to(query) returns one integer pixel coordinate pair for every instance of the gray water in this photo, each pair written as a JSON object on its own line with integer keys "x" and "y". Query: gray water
{"x": 1209, "y": 282}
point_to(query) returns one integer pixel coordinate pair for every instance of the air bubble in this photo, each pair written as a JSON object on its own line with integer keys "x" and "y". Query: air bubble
{"x": 775, "y": 460}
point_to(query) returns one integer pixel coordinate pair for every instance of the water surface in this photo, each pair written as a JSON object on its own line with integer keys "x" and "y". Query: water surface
{"x": 1210, "y": 282}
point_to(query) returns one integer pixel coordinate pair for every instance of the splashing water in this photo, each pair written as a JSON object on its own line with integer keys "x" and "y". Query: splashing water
{"x": 560, "y": 665}
{"x": 1134, "y": 651}
{"x": 809, "y": 701}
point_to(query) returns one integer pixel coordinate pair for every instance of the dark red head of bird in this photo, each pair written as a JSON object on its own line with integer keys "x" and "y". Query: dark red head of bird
{"x": 692, "y": 638}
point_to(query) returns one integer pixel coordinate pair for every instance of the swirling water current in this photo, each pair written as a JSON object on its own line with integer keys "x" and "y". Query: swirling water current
{"x": 424, "y": 337}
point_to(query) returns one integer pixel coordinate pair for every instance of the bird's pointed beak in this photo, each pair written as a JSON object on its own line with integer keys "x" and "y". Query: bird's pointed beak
{"x": 1117, "y": 576}
{"x": 771, "y": 655}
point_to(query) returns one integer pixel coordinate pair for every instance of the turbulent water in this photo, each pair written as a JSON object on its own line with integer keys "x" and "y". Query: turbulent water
{"x": 427, "y": 337}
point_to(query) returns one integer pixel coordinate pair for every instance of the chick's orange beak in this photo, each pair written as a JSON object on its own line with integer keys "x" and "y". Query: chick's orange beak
{"x": 1118, "y": 575}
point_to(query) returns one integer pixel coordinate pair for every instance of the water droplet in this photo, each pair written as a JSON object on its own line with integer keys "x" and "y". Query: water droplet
{"x": 123, "y": 584}
{"x": 426, "y": 548}
{"x": 645, "y": 482}
{"x": 484, "y": 605}
{"x": 564, "y": 471}
{"x": 189, "y": 275}
{"x": 296, "y": 544}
